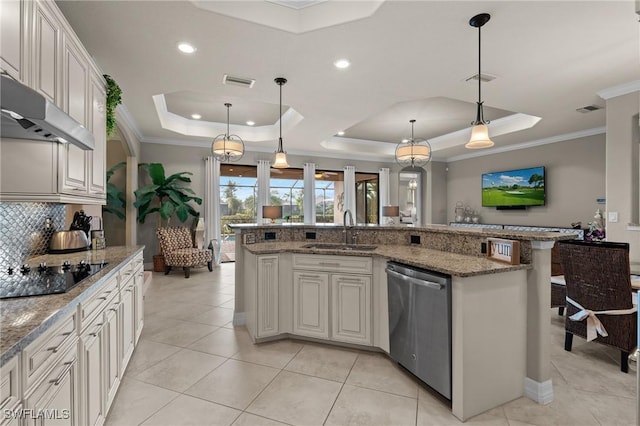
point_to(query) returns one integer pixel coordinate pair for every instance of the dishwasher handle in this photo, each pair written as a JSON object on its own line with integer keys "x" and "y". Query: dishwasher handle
{"x": 430, "y": 284}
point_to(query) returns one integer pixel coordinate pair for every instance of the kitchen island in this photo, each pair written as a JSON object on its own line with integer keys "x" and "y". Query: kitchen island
{"x": 290, "y": 284}
{"x": 66, "y": 353}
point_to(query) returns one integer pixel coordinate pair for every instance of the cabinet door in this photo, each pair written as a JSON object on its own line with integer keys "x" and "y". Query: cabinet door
{"x": 127, "y": 323}
{"x": 46, "y": 53}
{"x": 139, "y": 302}
{"x": 112, "y": 357}
{"x": 54, "y": 400}
{"x": 267, "y": 309}
{"x": 351, "y": 308}
{"x": 97, "y": 157}
{"x": 14, "y": 38}
{"x": 93, "y": 358}
{"x": 310, "y": 304}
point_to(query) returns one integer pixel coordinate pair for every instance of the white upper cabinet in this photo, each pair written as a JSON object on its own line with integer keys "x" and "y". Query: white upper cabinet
{"x": 14, "y": 37}
{"x": 40, "y": 49}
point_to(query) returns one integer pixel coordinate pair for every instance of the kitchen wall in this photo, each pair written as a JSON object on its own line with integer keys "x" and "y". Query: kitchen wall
{"x": 114, "y": 228}
{"x": 24, "y": 232}
{"x": 575, "y": 178}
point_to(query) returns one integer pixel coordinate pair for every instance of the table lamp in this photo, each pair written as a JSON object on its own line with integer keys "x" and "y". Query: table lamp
{"x": 271, "y": 212}
{"x": 390, "y": 212}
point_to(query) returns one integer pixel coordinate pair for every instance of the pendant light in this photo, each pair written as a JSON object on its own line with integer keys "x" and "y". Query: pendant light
{"x": 479, "y": 132}
{"x": 414, "y": 152}
{"x": 281, "y": 155}
{"x": 226, "y": 147}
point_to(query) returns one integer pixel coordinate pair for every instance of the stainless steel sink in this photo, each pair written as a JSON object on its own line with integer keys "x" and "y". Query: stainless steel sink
{"x": 329, "y": 246}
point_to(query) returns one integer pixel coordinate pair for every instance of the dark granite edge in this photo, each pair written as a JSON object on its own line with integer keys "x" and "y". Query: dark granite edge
{"x": 84, "y": 293}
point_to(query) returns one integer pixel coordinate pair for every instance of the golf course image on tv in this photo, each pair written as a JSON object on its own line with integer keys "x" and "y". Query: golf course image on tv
{"x": 522, "y": 187}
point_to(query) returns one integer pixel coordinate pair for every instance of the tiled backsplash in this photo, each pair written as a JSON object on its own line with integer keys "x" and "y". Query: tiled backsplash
{"x": 24, "y": 231}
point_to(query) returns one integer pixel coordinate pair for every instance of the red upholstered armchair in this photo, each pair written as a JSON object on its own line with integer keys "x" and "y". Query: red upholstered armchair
{"x": 177, "y": 247}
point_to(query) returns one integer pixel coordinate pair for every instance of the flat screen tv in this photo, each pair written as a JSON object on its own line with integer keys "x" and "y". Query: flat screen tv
{"x": 514, "y": 188}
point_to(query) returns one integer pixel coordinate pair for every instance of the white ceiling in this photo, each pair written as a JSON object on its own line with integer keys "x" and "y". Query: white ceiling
{"x": 409, "y": 60}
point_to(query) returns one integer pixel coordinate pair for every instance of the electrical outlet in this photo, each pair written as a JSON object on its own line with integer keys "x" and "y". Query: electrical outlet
{"x": 310, "y": 235}
{"x": 269, "y": 236}
{"x": 483, "y": 248}
{"x": 415, "y": 239}
{"x": 613, "y": 217}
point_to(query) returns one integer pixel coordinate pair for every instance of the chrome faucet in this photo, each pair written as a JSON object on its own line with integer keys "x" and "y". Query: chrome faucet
{"x": 347, "y": 212}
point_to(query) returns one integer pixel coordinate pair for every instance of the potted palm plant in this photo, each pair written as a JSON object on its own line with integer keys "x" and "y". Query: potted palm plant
{"x": 167, "y": 196}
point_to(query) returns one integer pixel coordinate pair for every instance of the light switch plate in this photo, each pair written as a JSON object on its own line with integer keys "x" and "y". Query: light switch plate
{"x": 613, "y": 217}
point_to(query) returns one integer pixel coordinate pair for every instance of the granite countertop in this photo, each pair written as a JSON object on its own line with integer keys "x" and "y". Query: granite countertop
{"x": 444, "y": 229}
{"x": 447, "y": 263}
{"x": 25, "y": 318}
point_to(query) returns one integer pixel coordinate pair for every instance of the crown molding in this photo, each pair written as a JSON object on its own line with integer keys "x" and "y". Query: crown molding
{"x": 619, "y": 90}
{"x": 531, "y": 144}
{"x": 125, "y": 117}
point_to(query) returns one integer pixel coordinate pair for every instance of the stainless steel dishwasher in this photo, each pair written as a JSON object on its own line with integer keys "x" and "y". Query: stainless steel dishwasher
{"x": 420, "y": 323}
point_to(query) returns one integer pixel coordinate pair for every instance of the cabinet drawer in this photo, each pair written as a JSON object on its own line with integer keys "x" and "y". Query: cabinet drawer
{"x": 328, "y": 263}
{"x": 96, "y": 303}
{"x": 10, "y": 392}
{"x": 128, "y": 270}
{"x": 44, "y": 351}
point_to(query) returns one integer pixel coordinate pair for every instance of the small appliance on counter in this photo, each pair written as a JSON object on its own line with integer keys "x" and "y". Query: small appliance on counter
{"x": 98, "y": 241}
{"x": 68, "y": 242}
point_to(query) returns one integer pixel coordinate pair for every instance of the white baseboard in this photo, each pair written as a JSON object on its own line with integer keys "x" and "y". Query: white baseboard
{"x": 239, "y": 318}
{"x": 542, "y": 393}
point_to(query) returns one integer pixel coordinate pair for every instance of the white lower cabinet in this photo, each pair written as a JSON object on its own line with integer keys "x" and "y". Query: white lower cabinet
{"x": 93, "y": 355}
{"x": 54, "y": 400}
{"x": 139, "y": 301}
{"x": 127, "y": 323}
{"x": 310, "y": 304}
{"x": 267, "y": 295}
{"x": 351, "y": 308}
{"x": 112, "y": 353}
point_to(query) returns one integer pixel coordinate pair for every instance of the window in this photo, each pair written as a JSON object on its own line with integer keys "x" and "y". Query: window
{"x": 286, "y": 189}
{"x": 329, "y": 190}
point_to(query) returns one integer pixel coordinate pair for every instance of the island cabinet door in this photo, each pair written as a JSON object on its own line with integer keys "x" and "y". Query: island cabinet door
{"x": 310, "y": 304}
{"x": 351, "y": 308}
{"x": 267, "y": 309}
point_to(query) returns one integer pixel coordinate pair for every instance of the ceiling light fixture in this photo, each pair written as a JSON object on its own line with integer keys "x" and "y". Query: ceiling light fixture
{"x": 281, "y": 155}
{"x": 196, "y": 116}
{"x": 251, "y": 123}
{"x": 341, "y": 133}
{"x": 186, "y": 47}
{"x": 479, "y": 132}
{"x": 227, "y": 147}
{"x": 414, "y": 152}
{"x": 342, "y": 64}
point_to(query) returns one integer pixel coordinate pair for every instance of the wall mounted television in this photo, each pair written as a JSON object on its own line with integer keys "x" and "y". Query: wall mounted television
{"x": 514, "y": 189}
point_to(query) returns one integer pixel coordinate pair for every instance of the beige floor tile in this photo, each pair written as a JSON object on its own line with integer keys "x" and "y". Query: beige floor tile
{"x": 234, "y": 383}
{"x": 231, "y": 304}
{"x": 248, "y": 419}
{"x": 224, "y": 342}
{"x": 377, "y": 371}
{"x": 272, "y": 354}
{"x": 136, "y": 401}
{"x": 296, "y": 399}
{"x": 209, "y": 298}
{"x": 435, "y": 410}
{"x": 180, "y": 370}
{"x": 367, "y": 407}
{"x": 186, "y": 410}
{"x": 566, "y": 409}
{"x": 183, "y": 311}
{"x": 212, "y": 316}
{"x": 147, "y": 353}
{"x": 323, "y": 361}
{"x": 182, "y": 334}
{"x": 154, "y": 324}
{"x": 610, "y": 410}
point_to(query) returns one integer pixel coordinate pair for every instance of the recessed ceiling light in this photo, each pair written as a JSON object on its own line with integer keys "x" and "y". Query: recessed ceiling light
{"x": 340, "y": 133}
{"x": 251, "y": 123}
{"x": 186, "y": 47}
{"x": 342, "y": 63}
{"x": 196, "y": 116}
{"x": 405, "y": 140}
{"x": 230, "y": 169}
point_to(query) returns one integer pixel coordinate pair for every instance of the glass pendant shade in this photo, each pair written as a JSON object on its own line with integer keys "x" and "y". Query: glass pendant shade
{"x": 227, "y": 148}
{"x": 414, "y": 152}
{"x": 479, "y": 137}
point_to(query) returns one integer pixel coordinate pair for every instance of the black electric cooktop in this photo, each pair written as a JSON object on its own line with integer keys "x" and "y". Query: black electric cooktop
{"x": 25, "y": 281}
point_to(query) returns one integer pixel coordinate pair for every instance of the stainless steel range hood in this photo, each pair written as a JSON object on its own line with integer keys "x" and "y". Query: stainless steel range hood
{"x": 26, "y": 114}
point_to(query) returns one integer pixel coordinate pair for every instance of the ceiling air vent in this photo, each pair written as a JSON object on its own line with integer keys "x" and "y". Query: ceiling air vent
{"x": 238, "y": 81}
{"x": 485, "y": 78}
{"x": 588, "y": 108}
